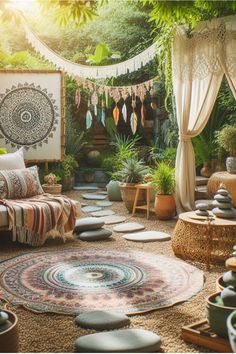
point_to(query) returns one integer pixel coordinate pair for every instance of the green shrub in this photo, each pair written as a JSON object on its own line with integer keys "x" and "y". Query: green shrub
{"x": 163, "y": 179}
{"x": 226, "y": 138}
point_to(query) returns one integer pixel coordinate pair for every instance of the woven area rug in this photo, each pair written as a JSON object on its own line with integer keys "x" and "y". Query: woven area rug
{"x": 74, "y": 281}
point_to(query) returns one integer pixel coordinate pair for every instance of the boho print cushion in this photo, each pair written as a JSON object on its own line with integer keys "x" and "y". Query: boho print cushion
{"x": 17, "y": 184}
{"x": 13, "y": 160}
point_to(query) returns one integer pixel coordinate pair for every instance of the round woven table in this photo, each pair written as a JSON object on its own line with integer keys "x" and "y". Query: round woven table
{"x": 228, "y": 179}
{"x": 197, "y": 239}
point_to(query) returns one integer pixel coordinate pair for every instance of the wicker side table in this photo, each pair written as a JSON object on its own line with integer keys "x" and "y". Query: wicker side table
{"x": 228, "y": 179}
{"x": 195, "y": 239}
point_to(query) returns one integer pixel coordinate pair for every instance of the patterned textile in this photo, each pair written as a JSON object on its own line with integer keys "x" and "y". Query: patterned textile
{"x": 17, "y": 184}
{"x": 33, "y": 220}
{"x": 72, "y": 281}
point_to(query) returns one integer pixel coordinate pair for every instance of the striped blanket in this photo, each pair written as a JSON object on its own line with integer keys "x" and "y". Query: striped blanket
{"x": 35, "y": 219}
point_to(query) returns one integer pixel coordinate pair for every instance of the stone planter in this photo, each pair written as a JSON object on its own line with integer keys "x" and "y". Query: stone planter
{"x": 9, "y": 337}
{"x": 231, "y": 165}
{"x": 68, "y": 183}
{"x": 128, "y": 192}
{"x": 89, "y": 177}
{"x": 231, "y": 321}
{"x": 217, "y": 315}
{"x": 164, "y": 206}
{"x": 113, "y": 191}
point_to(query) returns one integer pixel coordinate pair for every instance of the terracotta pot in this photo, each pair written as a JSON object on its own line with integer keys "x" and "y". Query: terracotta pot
{"x": 217, "y": 315}
{"x": 164, "y": 206}
{"x": 220, "y": 285}
{"x": 206, "y": 170}
{"x": 9, "y": 338}
{"x": 128, "y": 192}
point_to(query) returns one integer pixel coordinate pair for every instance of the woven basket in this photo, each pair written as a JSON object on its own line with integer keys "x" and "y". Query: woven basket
{"x": 52, "y": 188}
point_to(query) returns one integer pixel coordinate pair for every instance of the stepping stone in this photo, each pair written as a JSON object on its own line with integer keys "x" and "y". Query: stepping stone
{"x": 129, "y": 227}
{"x": 103, "y": 213}
{"x": 95, "y": 235}
{"x": 102, "y": 320}
{"x": 119, "y": 341}
{"x": 147, "y": 236}
{"x": 104, "y": 203}
{"x": 113, "y": 219}
{"x": 87, "y": 224}
{"x": 86, "y": 188}
{"x": 90, "y": 209}
{"x": 103, "y": 192}
{"x": 91, "y": 196}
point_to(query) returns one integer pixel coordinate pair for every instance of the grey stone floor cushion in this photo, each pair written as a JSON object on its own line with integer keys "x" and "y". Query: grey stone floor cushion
{"x": 86, "y": 224}
{"x": 119, "y": 341}
{"x": 102, "y": 320}
{"x": 95, "y": 235}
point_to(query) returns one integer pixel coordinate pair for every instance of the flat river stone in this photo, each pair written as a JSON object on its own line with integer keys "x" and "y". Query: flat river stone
{"x": 86, "y": 224}
{"x": 91, "y": 196}
{"x": 104, "y": 203}
{"x": 119, "y": 341}
{"x": 147, "y": 236}
{"x": 113, "y": 219}
{"x": 90, "y": 208}
{"x": 95, "y": 235}
{"x": 129, "y": 227}
{"x": 102, "y": 320}
{"x": 103, "y": 213}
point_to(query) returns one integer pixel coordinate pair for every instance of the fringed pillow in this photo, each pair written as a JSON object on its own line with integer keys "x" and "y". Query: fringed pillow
{"x": 17, "y": 184}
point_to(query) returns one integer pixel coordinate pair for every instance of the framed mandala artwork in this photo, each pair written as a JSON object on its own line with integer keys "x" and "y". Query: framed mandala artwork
{"x": 32, "y": 113}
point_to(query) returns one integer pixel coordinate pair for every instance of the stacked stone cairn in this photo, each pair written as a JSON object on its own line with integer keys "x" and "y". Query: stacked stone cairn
{"x": 202, "y": 209}
{"x": 91, "y": 229}
{"x": 223, "y": 207}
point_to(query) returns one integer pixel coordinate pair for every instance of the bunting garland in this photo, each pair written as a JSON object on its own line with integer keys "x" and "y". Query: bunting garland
{"x": 116, "y": 93}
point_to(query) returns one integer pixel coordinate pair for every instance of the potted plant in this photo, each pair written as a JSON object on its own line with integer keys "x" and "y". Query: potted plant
{"x": 226, "y": 138}
{"x": 51, "y": 184}
{"x": 88, "y": 174}
{"x": 163, "y": 181}
{"x": 131, "y": 173}
{"x": 69, "y": 166}
{"x": 8, "y": 331}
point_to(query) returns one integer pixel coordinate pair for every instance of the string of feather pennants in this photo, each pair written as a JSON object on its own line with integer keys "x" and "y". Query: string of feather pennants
{"x": 117, "y": 93}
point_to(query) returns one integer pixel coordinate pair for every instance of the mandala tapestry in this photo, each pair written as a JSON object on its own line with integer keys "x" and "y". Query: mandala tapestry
{"x": 73, "y": 281}
{"x": 30, "y": 116}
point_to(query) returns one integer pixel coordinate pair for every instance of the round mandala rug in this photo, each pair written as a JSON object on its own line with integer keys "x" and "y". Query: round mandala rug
{"x": 73, "y": 281}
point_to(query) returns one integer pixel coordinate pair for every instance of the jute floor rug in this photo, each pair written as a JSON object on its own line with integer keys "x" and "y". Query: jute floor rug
{"x": 76, "y": 281}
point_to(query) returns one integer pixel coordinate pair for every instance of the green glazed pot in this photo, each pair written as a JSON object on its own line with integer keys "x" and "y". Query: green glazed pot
{"x": 113, "y": 191}
{"x": 232, "y": 330}
{"x": 217, "y": 315}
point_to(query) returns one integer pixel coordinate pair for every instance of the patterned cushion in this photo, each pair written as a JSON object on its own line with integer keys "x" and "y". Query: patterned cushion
{"x": 17, "y": 184}
{"x": 12, "y": 161}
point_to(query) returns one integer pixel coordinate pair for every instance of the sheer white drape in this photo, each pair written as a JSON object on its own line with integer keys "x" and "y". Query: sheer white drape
{"x": 198, "y": 65}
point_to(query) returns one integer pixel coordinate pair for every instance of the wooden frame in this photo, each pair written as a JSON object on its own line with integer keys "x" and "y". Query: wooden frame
{"x": 62, "y": 101}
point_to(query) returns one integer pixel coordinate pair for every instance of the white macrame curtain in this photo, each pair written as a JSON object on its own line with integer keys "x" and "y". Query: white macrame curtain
{"x": 199, "y": 63}
{"x": 86, "y": 71}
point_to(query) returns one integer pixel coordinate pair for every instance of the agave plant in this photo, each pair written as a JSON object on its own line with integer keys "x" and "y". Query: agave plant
{"x": 132, "y": 171}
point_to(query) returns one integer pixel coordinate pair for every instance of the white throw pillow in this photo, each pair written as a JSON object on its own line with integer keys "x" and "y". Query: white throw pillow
{"x": 13, "y": 160}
